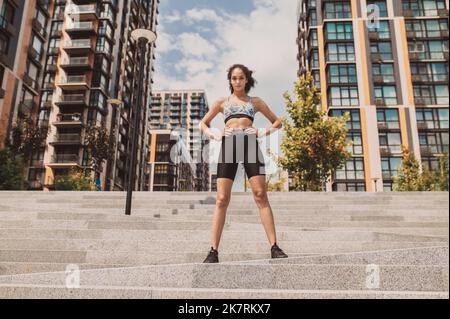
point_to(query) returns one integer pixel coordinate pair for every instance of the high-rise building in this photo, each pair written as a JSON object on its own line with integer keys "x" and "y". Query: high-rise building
{"x": 78, "y": 54}
{"x": 170, "y": 164}
{"x": 182, "y": 110}
{"x": 386, "y": 63}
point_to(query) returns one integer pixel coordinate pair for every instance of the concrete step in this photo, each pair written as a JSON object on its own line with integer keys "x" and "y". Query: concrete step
{"x": 23, "y": 291}
{"x": 438, "y": 255}
{"x": 258, "y": 276}
{"x": 204, "y": 235}
{"x": 14, "y": 268}
{"x": 227, "y": 246}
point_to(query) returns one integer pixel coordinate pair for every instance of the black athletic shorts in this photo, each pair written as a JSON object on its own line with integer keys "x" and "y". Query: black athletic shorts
{"x": 240, "y": 147}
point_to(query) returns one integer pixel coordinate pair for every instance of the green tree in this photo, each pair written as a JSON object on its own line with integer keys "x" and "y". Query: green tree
{"x": 409, "y": 177}
{"x": 27, "y": 138}
{"x": 314, "y": 145}
{"x": 11, "y": 168}
{"x": 99, "y": 146}
{"x": 75, "y": 180}
{"x": 442, "y": 173}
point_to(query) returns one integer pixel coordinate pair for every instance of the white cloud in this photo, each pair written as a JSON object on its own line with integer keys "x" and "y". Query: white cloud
{"x": 193, "y": 44}
{"x": 196, "y": 15}
{"x": 164, "y": 42}
{"x": 175, "y": 16}
{"x": 193, "y": 66}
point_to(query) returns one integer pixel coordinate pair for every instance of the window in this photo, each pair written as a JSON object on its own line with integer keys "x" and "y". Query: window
{"x": 423, "y": 7}
{"x": 7, "y": 13}
{"x": 433, "y": 142}
{"x": 4, "y": 44}
{"x": 382, "y": 28}
{"x": 103, "y": 45}
{"x": 353, "y": 169}
{"x": 316, "y": 76}
{"x": 339, "y": 31}
{"x": 383, "y": 49}
{"x": 343, "y": 96}
{"x": 386, "y": 70}
{"x": 314, "y": 59}
{"x": 337, "y": 10}
{"x": 390, "y": 142}
{"x": 105, "y": 29}
{"x": 381, "y": 5}
{"x": 55, "y": 43}
{"x": 354, "y": 123}
{"x": 432, "y": 118}
{"x": 59, "y": 9}
{"x": 431, "y": 94}
{"x": 313, "y": 38}
{"x": 389, "y": 166}
{"x": 429, "y": 72}
{"x": 41, "y": 17}
{"x": 312, "y": 18}
{"x": 427, "y": 28}
{"x": 349, "y": 187}
{"x": 432, "y": 163}
{"x": 340, "y": 52}
{"x": 386, "y": 93}
{"x": 388, "y": 119}
{"x": 357, "y": 147}
{"x": 341, "y": 74}
{"x": 37, "y": 44}
{"x": 433, "y": 49}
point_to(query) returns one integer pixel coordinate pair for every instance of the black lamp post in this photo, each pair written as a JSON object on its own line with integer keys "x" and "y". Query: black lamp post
{"x": 142, "y": 36}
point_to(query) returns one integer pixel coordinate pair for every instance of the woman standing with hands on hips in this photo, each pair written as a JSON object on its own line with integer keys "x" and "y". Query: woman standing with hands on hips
{"x": 240, "y": 144}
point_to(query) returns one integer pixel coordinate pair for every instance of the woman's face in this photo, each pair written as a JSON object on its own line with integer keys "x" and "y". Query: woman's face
{"x": 238, "y": 80}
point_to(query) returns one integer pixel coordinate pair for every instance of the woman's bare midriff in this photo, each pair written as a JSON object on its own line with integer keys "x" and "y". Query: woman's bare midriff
{"x": 239, "y": 123}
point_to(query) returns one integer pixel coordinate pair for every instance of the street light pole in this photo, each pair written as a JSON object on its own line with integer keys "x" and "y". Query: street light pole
{"x": 142, "y": 36}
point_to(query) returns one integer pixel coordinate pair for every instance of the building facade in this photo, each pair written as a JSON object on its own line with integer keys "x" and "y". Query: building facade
{"x": 79, "y": 54}
{"x": 386, "y": 64}
{"x": 181, "y": 111}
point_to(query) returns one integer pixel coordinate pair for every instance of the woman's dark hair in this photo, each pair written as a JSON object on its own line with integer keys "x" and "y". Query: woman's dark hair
{"x": 248, "y": 75}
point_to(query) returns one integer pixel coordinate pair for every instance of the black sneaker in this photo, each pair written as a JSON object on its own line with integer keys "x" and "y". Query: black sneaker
{"x": 276, "y": 252}
{"x": 213, "y": 257}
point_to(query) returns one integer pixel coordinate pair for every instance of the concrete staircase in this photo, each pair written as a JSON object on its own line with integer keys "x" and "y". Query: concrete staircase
{"x": 341, "y": 245}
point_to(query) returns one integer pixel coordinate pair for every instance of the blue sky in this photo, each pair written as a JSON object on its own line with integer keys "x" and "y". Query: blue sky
{"x": 199, "y": 39}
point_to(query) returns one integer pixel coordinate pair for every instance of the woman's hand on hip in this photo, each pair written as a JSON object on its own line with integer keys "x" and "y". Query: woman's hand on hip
{"x": 251, "y": 130}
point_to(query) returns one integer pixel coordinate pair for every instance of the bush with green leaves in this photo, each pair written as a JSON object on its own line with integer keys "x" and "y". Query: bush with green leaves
{"x": 76, "y": 180}
{"x": 11, "y": 168}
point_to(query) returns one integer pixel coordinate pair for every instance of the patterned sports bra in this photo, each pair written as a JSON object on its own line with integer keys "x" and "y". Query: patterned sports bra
{"x": 237, "y": 111}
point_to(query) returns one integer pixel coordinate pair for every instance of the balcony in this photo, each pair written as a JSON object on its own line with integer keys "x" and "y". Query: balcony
{"x": 82, "y": 29}
{"x": 77, "y": 64}
{"x": 390, "y": 150}
{"x": 7, "y": 28}
{"x": 67, "y": 139}
{"x": 434, "y": 34}
{"x": 380, "y": 102}
{"x": 40, "y": 30}
{"x": 383, "y": 79}
{"x": 85, "y": 12}
{"x": 72, "y": 100}
{"x": 82, "y": 46}
{"x": 388, "y": 125}
{"x": 74, "y": 83}
{"x": 68, "y": 120}
{"x": 53, "y": 51}
{"x": 64, "y": 160}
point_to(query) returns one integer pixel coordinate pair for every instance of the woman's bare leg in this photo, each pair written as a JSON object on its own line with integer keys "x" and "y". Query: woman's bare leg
{"x": 222, "y": 200}
{"x": 258, "y": 184}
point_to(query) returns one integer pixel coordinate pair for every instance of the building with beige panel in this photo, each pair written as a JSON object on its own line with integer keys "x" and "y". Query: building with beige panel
{"x": 386, "y": 63}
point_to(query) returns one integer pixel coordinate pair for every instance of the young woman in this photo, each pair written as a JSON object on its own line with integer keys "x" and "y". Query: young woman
{"x": 239, "y": 144}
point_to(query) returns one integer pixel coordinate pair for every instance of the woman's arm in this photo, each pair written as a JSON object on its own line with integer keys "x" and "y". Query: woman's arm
{"x": 209, "y": 116}
{"x": 262, "y": 107}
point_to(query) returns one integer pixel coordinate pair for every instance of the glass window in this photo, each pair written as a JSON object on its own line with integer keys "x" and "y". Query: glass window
{"x": 384, "y": 69}
{"x": 340, "y": 52}
{"x": 337, "y": 10}
{"x": 381, "y": 4}
{"x": 354, "y": 123}
{"x": 343, "y": 96}
{"x": 339, "y": 31}
{"x": 383, "y": 49}
{"x": 387, "y": 93}
{"x": 382, "y": 28}
{"x": 388, "y": 118}
{"x": 389, "y": 166}
{"x": 341, "y": 73}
